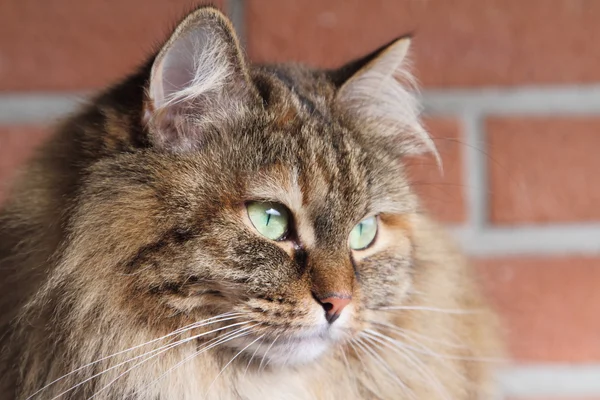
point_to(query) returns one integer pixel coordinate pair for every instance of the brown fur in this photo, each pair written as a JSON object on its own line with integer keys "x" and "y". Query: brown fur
{"x": 130, "y": 224}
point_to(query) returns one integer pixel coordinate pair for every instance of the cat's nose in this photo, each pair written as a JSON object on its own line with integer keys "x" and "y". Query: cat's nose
{"x": 333, "y": 306}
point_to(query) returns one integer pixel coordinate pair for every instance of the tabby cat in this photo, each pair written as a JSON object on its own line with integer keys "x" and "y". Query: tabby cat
{"x": 213, "y": 229}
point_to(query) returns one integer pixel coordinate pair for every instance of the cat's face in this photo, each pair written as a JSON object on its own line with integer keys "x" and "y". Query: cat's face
{"x": 336, "y": 236}
{"x": 265, "y": 195}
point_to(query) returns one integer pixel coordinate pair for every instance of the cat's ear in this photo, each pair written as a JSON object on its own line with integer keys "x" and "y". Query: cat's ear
{"x": 379, "y": 90}
{"x": 199, "y": 79}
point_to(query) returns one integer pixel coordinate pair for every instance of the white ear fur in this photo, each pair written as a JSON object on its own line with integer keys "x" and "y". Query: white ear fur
{"x": 381, "y": 93}
{"x": 197, "y": 79}
{"x": 192, "y": 64}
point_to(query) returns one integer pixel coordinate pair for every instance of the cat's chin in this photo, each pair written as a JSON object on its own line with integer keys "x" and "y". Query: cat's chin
{"x": 294, "y": 351}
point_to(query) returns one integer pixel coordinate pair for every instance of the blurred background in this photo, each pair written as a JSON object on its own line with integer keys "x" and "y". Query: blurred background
{"x": 511, "y": 90}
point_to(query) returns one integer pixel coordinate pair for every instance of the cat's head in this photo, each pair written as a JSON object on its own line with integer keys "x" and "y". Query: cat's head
{"x": 274, "y": 193}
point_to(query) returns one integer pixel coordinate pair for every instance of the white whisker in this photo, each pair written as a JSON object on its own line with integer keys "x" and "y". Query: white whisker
{"x": 253, "y": 354}
{"x": 264, "y": 357}
{"x": 381, "y": 363}
{"x": 346, "y": 363}
{"x": 158, "y": 351}
{"x": 430, "y": 352}
{"x": 423, "y": 369}
{"x": 289, "y": 352}
{"x": 407, "y": 348}
{"x": 218, "y": 318}
{"x": 358, "y": 354}
{"x": 230, "y": 361}
{"x": 217, "y": 341}
{"x": 419, "y": 335}
{"x": 423, "y": 308}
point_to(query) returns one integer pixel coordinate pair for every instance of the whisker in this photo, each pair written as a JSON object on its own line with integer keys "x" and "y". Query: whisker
{"x": 230, "y": 361}
{"x": 383, "y": 364}
{"x": 207, "y": 344}
{"x": 217, "y": 341}
{"x": 426, "y": 348}
{"x": 430, "y": 352}
{"x": 421, "y": 367}
{"x": 178, "y": 331}
{"x": 442, "y": 362}
{"x": 267, "y": 352}
{"x": 289, "y": 352}
{"x": 158, "y": 351}
{"x": 358, "y": 354}
{"x": 253, "y": 354}
{"x": 428, "y": 338}
{"x": 423, "y": 308}
{"x": 346, "y": 363}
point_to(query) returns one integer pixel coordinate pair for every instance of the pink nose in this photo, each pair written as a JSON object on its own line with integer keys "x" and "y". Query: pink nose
{"x": 334, "y": 305}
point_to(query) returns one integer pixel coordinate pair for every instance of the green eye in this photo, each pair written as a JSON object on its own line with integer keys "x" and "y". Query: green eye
{"x": 270, "y": 219}
{"x": 363, "y": 234}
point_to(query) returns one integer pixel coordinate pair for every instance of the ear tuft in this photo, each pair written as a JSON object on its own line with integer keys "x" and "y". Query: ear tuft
{"x": 382, "y": 95}
{"x": 199, "y": 76}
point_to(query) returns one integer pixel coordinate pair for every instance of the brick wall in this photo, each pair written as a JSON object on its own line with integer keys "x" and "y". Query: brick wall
{"x": 512, "y": 96}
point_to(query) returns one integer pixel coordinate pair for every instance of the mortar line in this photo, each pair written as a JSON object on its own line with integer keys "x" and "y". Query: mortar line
{"x": 36, "y": 108}
{"x": 551, "y": 381}
{"x": 529, "y": 101}
{"x": 545, "y": 240}
{"x": 524, "y": 100}
{"x": 474, "y": 169}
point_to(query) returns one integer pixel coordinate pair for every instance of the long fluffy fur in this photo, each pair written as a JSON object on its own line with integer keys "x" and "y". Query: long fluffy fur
{"x": 129, "y": 268}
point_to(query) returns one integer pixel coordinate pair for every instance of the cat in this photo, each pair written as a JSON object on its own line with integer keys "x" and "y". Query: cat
{"x": 213, "y": 229}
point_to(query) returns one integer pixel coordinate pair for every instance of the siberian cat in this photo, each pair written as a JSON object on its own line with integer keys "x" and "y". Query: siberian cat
{"x": 212, "y": 229}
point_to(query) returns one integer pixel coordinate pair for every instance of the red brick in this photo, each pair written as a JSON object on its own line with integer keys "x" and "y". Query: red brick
{"x": 324, "y": 33}
{"x": 17, "y": 144}
{"x": 549, "y": 306}
{"x": 73, "y": 45}
{"x": 441, "y": 192}
{"x": 544, "y": 169}
{"x": 457, "y": 43}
